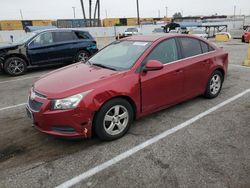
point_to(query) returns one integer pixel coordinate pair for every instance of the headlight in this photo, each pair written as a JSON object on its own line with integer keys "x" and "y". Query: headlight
{"x": 69, "y": 102}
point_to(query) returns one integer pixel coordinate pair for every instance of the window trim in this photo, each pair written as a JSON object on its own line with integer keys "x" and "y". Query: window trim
{"x": 143, "y": 63}
{"x": 140, "y": 69}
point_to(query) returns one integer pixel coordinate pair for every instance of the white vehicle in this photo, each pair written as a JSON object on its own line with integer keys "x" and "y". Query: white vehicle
{"x": 132, "y": 31}
{"x": 199, "y": 33}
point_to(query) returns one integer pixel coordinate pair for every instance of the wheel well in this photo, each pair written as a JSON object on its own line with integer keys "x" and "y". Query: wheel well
{"x": 131, "y": 102}
{"x": 222, "y": 72}
{"x": 17, "y": 55}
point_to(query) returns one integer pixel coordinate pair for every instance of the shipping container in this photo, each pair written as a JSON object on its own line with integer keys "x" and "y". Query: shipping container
{"x": 109, "y": 22}
{"x": 42, "y": 22}
{"x": 64, "y": 24}
{"x": 131, "y": 21}
{"x": 11, "y": 25}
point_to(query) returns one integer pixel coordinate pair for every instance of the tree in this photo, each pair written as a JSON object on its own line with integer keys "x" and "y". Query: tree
{"x": 177, "y": 15}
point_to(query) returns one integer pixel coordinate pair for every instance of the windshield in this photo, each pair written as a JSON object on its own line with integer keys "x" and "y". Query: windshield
{"x": 120, "y": 55}
{"x": 24, "y": 38}
{"x": 132, "y": 30}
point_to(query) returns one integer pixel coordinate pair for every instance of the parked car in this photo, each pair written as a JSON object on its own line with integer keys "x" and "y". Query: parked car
{"x": 132, "y": 31}
{"x": 46, "y": 47}
{"x": 126, "y": 80}
{"x": 199, "y": 33}
{"x": 246, "y": 35}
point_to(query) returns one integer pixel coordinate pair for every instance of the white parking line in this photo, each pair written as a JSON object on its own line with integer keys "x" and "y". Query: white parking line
{"x": 240, "y": 66}
{"x": 14, "y": 80}
{"x": 145, "y": 144}
{"x": 14, "y": 106}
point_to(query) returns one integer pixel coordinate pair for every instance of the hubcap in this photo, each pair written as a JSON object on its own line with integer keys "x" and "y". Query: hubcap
{"x": 16, "y": 67}
{"x": 215, "y": 84}
{"x": 116, "y": 120}
{"x": 83, "y": 56}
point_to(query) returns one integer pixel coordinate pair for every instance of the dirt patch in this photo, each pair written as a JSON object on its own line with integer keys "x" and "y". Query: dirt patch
{"x": 10, "y": 152}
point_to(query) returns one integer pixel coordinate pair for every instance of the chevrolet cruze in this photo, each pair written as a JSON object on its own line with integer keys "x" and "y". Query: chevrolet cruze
{"x": 126, "y": 80}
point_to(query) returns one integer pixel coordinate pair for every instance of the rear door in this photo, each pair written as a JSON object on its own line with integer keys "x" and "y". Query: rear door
{"x": 195, "y": 65}
{"x": 64, "y": 50}
{"x": 162, "y": 87}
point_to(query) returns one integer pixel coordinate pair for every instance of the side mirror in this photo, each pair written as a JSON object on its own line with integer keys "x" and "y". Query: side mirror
{"x": 153, "y": 65}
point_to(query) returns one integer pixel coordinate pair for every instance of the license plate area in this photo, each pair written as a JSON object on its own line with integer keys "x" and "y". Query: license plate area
{"x": 29, "y": 114}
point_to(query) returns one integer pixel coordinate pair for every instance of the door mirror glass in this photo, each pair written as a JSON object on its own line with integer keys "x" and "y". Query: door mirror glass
{"x": 153, "y": 65}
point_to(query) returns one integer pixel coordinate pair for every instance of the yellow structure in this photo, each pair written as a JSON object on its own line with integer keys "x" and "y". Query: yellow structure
{"x": 247, "y": 60}
{"x": 109, "y": 22}
{"x": 222, "y": 37}
{"x": 11, "y": 25}
{"x": 41, "y": 22}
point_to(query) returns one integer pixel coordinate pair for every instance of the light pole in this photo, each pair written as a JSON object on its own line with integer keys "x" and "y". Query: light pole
{"x": 21, "y": 13}
{"x": 166, "y": 11}
{"x": 74, "y": 11}
{"x": 138, "y": 14}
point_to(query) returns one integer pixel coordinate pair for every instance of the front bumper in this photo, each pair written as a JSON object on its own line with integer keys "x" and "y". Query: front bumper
{"x": 74, "y": 123}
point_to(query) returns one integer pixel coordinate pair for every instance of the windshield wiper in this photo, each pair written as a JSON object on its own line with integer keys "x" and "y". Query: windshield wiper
{"x": 103, "y": 66}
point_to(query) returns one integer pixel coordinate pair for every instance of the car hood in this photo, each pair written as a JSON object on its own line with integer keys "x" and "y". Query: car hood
{"x": 73, "y": 79}
{"x": 8, "y": 46}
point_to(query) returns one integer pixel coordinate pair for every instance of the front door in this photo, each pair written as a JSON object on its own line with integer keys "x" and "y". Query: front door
{"x": 162, "y": 87}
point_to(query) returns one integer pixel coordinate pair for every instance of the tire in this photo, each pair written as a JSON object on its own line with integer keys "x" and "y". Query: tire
{"x": 243, "y": 39}
{"x": 109, "y": 124}
{"x": 15, "y": 66}
{"x": 82, "y": 55}
{"x": 214, "y": 85}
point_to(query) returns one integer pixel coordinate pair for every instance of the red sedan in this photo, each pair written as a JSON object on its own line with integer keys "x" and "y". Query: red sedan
{"x": 246, "y": 35}
{"x": 126, "y": 80}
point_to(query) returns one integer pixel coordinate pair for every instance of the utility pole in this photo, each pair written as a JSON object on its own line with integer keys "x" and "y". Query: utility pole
{"x": 74, "y": 12}
{"x": 166, "y": 11}
{"x": 21, "y": 13}
{"x": 90, "y": 13}
{"x": 159, "y": 13}
{"x": 234, "y": 15}
{"x": 138, "y": 12}
{"x": 106, "y": 12}
{"x": 83, "y": 10}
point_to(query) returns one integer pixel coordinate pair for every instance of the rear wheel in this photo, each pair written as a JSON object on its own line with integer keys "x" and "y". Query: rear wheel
{"x": 82, "y": 56}
{"x": 15, "y": 66}
{"x": 214, "y": 85}
{"x": 113, "y": 119}
{"x": 243, "y": 39}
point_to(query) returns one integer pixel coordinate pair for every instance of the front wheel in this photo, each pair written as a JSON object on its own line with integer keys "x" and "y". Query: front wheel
{"x": 214, "y": 85}
{"x": 15, "y": 66}
{"x": 113, "y": 119}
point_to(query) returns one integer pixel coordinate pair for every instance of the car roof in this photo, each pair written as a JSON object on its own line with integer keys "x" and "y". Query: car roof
{"x": 58, "y": 30}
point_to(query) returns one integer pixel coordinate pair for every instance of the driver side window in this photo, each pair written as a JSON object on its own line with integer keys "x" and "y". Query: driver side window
{"x": 165, "y": 52}
{"x": 43, "y": 39}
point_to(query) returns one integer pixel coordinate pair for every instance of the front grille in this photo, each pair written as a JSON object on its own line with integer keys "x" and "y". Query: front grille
{"x": 34, "y": 105}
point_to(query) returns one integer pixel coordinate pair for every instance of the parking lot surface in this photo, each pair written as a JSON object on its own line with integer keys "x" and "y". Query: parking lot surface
{"x": 214, "y": 151}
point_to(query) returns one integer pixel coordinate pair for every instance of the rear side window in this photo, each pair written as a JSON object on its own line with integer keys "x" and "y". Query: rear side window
{"x": 81, "y": 35}
{"x": 204, "y": 47}
{"x": 63, "y": 36}
{"x": 165, "y": 52}
{"x": 190, "y": 47}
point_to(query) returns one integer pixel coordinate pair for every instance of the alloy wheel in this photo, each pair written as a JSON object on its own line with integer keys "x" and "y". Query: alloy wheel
{"x": 116, "y": 120}
{"x": 215, "y": 84}
{"x": 16, "y": 67}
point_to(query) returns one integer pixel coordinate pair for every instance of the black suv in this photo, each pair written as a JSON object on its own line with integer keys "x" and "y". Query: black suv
{"x": 47, "y": 47}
